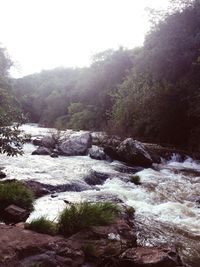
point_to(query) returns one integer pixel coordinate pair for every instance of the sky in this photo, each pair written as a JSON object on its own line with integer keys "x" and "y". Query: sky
{"x": 44, "y": 34}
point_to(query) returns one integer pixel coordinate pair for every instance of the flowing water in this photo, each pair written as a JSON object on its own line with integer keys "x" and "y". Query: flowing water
{"x": 167, "y": 203}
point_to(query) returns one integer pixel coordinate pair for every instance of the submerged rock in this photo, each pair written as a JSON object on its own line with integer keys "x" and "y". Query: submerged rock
{"x": 76, "y": 144}
{"x": 40, "y": 189}
{"x": 96, "y": 178}
{"x": 42, "y": 151}
{"x": 2, "y": 175}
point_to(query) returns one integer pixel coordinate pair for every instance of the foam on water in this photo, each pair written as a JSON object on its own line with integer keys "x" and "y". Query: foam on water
{"x": 166, "y": 202}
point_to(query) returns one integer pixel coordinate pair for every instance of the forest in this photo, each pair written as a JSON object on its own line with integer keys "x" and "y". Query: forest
{"x": 151, "y": 93}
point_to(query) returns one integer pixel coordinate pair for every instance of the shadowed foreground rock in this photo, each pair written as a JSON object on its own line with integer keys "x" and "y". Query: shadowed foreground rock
{"x": 99, "y": 246}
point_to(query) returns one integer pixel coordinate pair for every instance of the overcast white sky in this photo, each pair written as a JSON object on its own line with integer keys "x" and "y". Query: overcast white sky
{"x": 44, "y": 34}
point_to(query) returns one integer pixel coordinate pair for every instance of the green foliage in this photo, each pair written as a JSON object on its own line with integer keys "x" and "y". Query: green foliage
{"x": 81, "y": 117}
{"x": 151, "y": 93}
{"x": 90, "y": 250}
{"x": 84, "y": 215}
{"x": 10, "y": 139}
{"x": 42, "y": 225}
{"x": 130, "y": 211}
{"x": 49, "y": 97}
{"x": 135, "y": 179}
{"x": 15, "y": 193}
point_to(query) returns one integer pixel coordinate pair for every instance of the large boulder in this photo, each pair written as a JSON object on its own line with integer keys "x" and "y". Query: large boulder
{"x": 133, "y": 152}
{"x": 76, "y": 144}
{"x": 42, "y": 151}
{"x": 96, "y": 152}
{"x": 130, "y": 151}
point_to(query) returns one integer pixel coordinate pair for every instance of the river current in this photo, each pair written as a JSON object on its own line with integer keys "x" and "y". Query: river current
{"x": 167, "y": 203}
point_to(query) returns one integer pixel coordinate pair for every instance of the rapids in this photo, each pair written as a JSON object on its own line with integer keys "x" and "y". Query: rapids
{"x": 167, "y": 203}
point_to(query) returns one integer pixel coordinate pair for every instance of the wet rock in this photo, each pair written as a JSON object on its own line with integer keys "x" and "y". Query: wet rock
{"x": 96, "y": 152}
{"x": 54, "y": 195}
{"x": 150, "y": 256}
{"x": 37, "y": 188}
{"x": 27, "y": 248}
{"x": 48, "y": 141}
{"x": 2, "y": 175}
{"x": 103, "y": 140}
{"x": 40, "y": 189}
{"x": 127, "y": 169}
{"x": 76, "y": 144}
{"x": 165, "y": 152}
{"x": 54, "y": 155}
{"x": 95, "y": 178}
{"x": 15, "y": 214}
{"x": 42, "y": 151}
{"x": 37, "y": 142}
{"x": 133, "y": 152}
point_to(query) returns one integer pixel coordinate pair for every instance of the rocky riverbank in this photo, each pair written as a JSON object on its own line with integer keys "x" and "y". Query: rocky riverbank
{"x": 85, "y": 169}
{"x": 113, "y": 245}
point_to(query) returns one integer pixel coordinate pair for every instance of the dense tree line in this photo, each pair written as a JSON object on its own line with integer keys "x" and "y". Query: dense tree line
{"x": 10, "y": 113}
{"x": 151, "y": 93}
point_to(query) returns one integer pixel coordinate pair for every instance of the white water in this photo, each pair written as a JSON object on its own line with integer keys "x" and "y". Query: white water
{"x": 166, "y": 211}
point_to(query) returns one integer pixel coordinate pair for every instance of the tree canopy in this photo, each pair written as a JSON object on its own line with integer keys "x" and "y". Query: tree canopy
{"x": 151, "y": 93}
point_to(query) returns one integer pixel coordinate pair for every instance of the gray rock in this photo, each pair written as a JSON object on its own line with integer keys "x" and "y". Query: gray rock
{"x": 37, "y": 142}
{"x": 2, "y": 175}
{"x": 42, "y": 151}
{"x": 15, "y": 214}
{"x": 48, "y": 141}
{"x": 151, "y": 256}
{"x": 76, "y": 144}
{"x": 133, "y": 152}
{"x": 95, "y": 178}
{"x": 96, "y": 152}
{"x": 54, "y": 155}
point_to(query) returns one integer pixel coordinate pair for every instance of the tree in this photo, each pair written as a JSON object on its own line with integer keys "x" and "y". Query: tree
{"x": 10, "y": 138}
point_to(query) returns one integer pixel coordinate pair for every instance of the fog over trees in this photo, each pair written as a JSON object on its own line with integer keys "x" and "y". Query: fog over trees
{"x": 151, "y": 93}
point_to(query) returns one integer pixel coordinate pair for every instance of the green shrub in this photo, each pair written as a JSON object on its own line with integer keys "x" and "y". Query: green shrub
{"x": 130, "y": 211}
{"x": 135, "y": 179}
{"x": 42, "y": 225}
{"x": 90, "y": 250}
{"x": 15, "y": 193}
{"x": 84, "y": 215}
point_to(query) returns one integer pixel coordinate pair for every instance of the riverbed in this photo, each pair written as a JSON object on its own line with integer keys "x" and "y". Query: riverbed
{"x": 167, "y": 203}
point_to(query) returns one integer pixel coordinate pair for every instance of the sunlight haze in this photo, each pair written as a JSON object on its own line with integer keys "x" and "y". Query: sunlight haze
{"x": 46, "y": 34}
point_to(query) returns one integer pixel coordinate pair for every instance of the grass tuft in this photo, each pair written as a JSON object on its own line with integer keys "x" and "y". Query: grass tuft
{"x": 42, "y": 225}
{"x": 84, "y": 215}
{"x": 16, "y": 193}
{"x": 135, "y": 179}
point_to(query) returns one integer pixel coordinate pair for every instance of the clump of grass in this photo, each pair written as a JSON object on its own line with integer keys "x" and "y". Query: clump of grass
{"x": 130, "y": 211}
{"x": 42, "y": 225}
{"x": 84, "y": 215}
{"x": 135, "y": 179}
{"x": 90, "y": 250}
{"x": 16, "y": 193}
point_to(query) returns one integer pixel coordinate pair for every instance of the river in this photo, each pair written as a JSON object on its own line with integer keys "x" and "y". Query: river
{"x": 167, "y": 203}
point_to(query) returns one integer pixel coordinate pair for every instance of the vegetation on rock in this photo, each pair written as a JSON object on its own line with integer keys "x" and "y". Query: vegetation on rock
{"x": 42, "y": 225}
{"x": 84, "y": 215}
{"x": 135, "y": 179}
{"x": 14, "y": 192}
